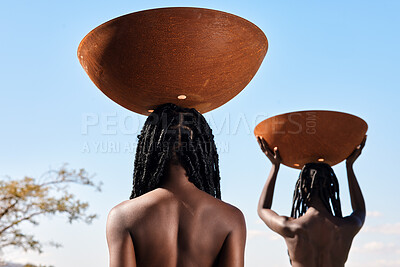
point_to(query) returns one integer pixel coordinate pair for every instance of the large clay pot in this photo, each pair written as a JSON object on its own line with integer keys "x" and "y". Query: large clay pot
{"x": 313, "y": 136}
{"x": 192, "y": 57}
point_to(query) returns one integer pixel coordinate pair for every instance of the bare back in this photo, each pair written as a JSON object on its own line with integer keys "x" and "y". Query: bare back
{"x": 316, "y": 238}
{"x": 320, "y": 239}
{"x": 191, "y": 228}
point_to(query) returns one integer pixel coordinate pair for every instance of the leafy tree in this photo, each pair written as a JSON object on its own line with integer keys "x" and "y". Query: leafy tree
{"x": 27, "y": 199}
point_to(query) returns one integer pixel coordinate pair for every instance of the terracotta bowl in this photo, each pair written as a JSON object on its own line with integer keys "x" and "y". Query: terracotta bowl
{"x": 313, "y": 136}
{"x": 192, "y": 57}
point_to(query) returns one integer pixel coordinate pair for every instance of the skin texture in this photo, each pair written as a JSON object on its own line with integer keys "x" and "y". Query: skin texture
{"x": 176, "y": 225}
{"x": 317, "y": 238}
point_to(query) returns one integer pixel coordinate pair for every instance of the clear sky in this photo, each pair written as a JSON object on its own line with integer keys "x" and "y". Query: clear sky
{"x": 336, "y": 55}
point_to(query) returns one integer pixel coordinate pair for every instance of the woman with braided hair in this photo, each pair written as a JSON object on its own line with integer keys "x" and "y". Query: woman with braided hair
{"x": 175, "y": 216}
{"x": 316, "y": 233}
{"x": 317, "y": 179}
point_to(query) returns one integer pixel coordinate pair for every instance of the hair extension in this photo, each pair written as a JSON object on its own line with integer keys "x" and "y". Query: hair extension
{"x": 172, "y": 134}
{"x": 316, "y": 179}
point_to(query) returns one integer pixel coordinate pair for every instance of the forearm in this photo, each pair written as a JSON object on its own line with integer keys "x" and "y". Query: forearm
{"x": 267, "y": 193}
{"x": 356, "y": 196}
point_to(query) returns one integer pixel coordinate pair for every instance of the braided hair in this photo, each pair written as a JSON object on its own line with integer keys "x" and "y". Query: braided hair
{"x": 316, "y": 179}
{"x": 172, "y": 134}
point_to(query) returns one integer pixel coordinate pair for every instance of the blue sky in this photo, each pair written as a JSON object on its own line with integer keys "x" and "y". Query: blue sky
{"x": 337, "y": 55}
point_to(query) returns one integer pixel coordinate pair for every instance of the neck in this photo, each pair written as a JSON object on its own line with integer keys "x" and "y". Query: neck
{"x": 317, "y": 204}
{"x": 176, "y": 179}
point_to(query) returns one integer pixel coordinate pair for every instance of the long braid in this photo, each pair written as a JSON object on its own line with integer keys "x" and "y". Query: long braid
{"x": 168, "y": 135}
{"x": 316, "y": 177}
{"x": 319, "y": 178}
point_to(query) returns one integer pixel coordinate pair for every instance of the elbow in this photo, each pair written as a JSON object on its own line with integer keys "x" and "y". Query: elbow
{"x": 360, "y": 222}
{"x": 260, "y": 210}
{"x": 359, "y": 218}
{"x": 262, "y": 207}
{"x": 361, "y": 211}
{"x": 363, "y": 215}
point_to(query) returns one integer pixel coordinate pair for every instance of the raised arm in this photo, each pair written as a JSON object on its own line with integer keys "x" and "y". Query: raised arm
{"x": 120, "y": 245}
{"x": 277, "y": 223}
{"x": 357, "y": 199}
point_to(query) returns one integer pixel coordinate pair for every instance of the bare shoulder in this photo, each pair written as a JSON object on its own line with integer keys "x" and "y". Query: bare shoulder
{"x": 116, "y": 219}
{"x": 230, "y": 214}
{"x": 345, "y": 227}
{"x": 237, "y": 218}
{"x": 233, "y": 212}
{"x": 117, "y": 215}
{"x": 128, "y": 210}
{"x": 353, "y": 223}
